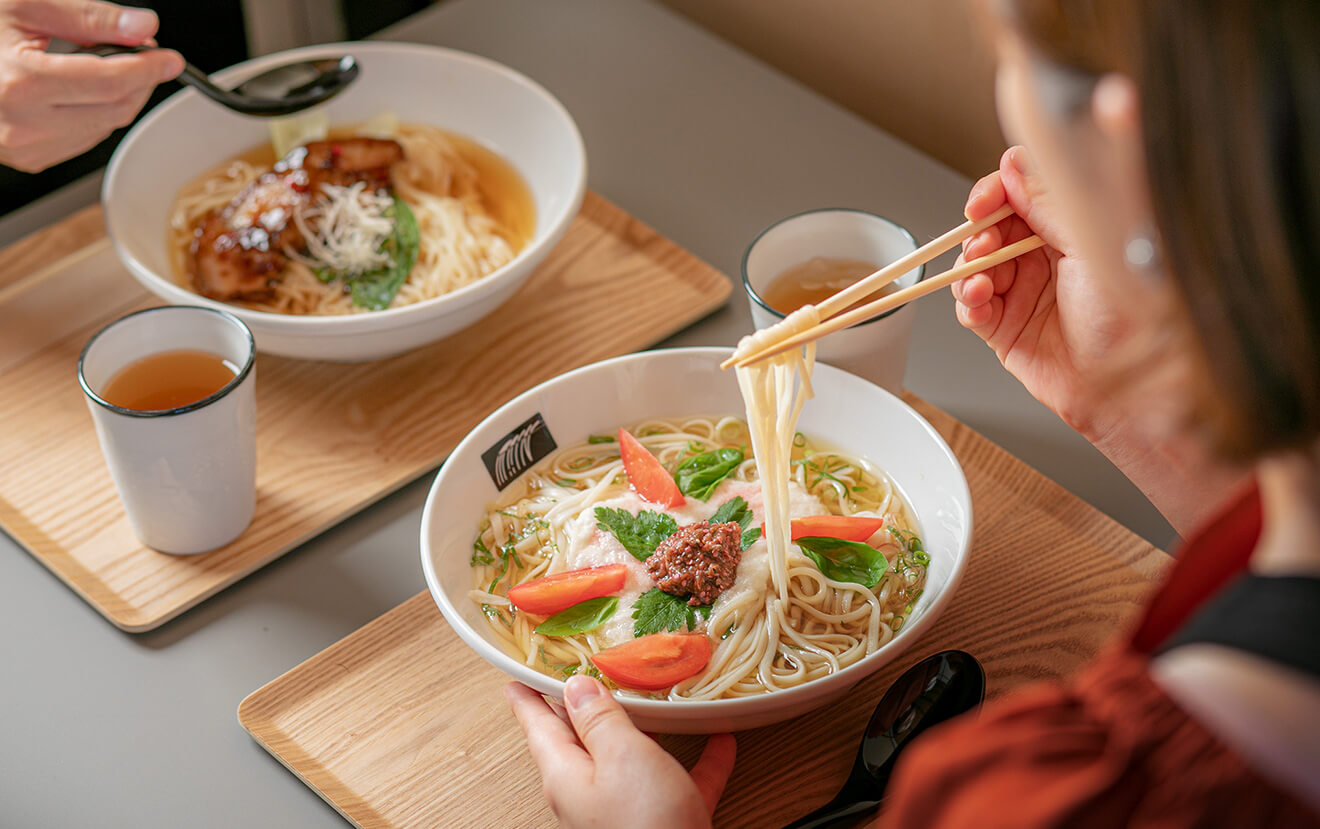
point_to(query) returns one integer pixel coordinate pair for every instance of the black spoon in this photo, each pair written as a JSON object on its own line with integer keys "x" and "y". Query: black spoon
{"x": 935, "y": 689}
{"x": 283, "y": 90}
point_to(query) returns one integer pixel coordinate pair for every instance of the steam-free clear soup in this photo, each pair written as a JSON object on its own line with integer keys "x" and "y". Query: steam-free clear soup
{"x": 168, "y": 380}
{"x": 817, "y": 279}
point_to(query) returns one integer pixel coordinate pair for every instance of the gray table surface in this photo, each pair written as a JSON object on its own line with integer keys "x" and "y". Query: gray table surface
{"x": 107, "y": 729}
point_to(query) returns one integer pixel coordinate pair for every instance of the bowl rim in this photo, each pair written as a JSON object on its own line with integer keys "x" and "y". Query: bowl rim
{"x": 680, "y": 709}
{"x": 237, "y": 380}
{"x": 548, "y": 233}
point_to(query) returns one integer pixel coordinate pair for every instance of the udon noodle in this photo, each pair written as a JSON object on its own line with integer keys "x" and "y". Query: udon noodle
{"x": 463, "y": 237}
{"x": 783, "y": 622}
{"x": 795, "y": 626}
{"x": 774, "y": 392}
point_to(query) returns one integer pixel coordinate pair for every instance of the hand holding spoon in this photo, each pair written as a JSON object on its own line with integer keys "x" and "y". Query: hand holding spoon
{"x": 283, "y": 90}
{"x": 935, "y": 689}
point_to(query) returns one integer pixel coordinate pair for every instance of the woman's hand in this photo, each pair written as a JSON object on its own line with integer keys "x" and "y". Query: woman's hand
{"x": 55, "y": 106}
{"x": 1044, "y": 315}
{"x": 1056, "y": 330}
{"x": 598, "y": 770}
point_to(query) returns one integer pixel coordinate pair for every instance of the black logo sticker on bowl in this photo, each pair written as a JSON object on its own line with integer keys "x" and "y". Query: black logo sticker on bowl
{"x": 515, "y": 453}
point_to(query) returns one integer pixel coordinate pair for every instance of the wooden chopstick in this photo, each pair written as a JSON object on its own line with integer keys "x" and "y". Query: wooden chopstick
{"x": 866, "y": 286}
{"x": 892, "y": 301}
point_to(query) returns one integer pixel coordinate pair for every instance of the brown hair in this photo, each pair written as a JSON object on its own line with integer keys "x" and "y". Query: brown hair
{"x": 1230, "y": 108}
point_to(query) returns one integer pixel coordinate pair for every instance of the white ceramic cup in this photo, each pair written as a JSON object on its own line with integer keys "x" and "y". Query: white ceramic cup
{"x": 876, "y": 350}
{"x": 186, "y": 476}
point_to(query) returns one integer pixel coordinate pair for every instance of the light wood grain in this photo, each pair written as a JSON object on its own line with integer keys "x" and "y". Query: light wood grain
{"x": 40, "y": 249}
{"x": 401, "y": 725}
{"x": 331, "y": 438}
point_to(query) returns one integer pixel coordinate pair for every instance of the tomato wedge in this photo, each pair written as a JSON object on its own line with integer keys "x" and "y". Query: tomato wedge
{"x": 645, "y": 474}
{"x": 548, "y": 595}
{"x": 656, "y": 661}
{"x": 846, "y": 527}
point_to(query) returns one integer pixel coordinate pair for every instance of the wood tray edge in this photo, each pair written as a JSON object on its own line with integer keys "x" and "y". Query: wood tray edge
{"x": 679, "y": 261}
{"x": 130, "y": 620}
{"x": 270, "y": 749}
{"x": 253, "y": 715}
{"x": 258, "y": 711}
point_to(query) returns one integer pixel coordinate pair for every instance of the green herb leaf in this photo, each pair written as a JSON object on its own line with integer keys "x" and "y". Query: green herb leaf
{"x": 750, "y": 536}
{"x": 639, "y": 534}
{"x": 574, "y": 670}
{"x": 508, "y": 554}
{"x": 580, "y": 618}
{"x": 733, "y": 510}
{"x": 736, "y": 510}
{"x": 656, "y": 611}
{"x": 845, "y": 560}
{"x": 913, "y": 602}
{"x": 375, "y": 290}
{"x": 602, "y": 439}
{"x": 481, "y": 555}
{"x": 699, "y": 475}
{"x": 911, "y": 543}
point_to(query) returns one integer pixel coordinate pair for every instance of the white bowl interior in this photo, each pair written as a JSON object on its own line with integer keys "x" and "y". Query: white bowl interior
{"x": 859, "y": 417}
{"x": 480, "y": 99}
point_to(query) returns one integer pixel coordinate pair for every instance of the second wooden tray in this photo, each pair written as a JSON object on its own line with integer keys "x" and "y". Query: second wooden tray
{"x": 401, "y": 724}
{"x": 332, "y": 438}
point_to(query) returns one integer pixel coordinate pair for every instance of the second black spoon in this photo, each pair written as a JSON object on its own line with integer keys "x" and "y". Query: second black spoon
{"x": 935, "y": 689}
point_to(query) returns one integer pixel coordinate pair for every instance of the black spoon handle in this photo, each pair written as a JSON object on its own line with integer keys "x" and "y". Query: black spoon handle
{"x": 191, "y": 76}
{"x": 844, "y": 810}
{"x": 105, "y": 50}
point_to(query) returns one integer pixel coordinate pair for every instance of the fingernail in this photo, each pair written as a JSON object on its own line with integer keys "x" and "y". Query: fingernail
{"x": 580, "y": 691}
{"x": 1020, "y": 160}
{"x": 137, "y": 24}
{"x": 172, "y": 67}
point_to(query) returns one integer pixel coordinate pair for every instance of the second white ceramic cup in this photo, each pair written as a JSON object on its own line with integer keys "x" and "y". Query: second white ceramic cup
{"x": 876, "y": 350}
{"x": 186, "y": 476}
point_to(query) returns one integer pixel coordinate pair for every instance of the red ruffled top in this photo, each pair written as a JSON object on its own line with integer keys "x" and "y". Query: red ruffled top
{"x": 1107, "y": 748}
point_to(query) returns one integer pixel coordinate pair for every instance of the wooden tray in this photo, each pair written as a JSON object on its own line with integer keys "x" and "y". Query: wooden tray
{"x": 401, "y": 724}
{"x": 331, "y": 438}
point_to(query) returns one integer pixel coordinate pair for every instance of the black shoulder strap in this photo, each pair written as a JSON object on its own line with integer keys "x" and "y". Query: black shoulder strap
{"x": 1274, "y": 617}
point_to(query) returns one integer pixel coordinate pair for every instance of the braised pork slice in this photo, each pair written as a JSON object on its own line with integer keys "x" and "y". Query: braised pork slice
{"x": 345, "y": 162}
{"x": 238, "y": 252}
{"x": 233, "y": 264}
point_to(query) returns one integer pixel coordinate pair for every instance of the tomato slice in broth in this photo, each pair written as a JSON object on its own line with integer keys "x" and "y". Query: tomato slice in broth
{"x": 646, "y": 475}
{"x": 656, "y": 661}
{"x": 846, "y": 527}
{"x": 548, "y": 595}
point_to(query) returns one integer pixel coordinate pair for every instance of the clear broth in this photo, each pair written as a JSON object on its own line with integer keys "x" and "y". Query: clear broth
{"x": 817, "y": 279}
{"x": 504, "y": 192}
{"x": 168, "y": 380}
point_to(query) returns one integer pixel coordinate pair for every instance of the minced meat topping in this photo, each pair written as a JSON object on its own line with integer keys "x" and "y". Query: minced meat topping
{"x": 699, "y": 561}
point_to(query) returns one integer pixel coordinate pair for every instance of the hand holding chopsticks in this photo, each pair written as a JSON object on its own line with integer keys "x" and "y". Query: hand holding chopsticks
{"x": 831, "y": 318}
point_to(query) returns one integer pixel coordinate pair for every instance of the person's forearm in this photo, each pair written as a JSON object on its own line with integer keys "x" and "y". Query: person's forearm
{"x": 1184, "y": 483}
